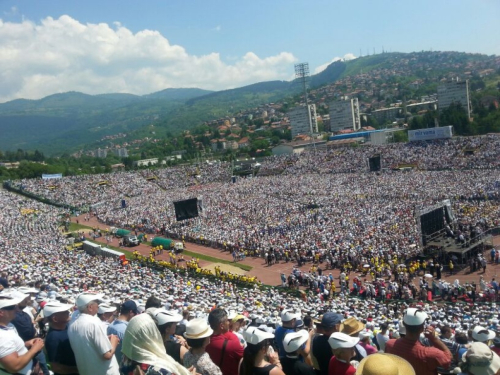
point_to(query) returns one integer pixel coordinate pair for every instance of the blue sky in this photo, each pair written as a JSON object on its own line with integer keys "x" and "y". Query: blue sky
{"x": 82, "y": 45}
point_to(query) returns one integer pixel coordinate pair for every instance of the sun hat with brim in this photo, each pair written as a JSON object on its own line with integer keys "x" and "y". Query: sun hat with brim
{"x": 384, "y": 364}
{"x": 198, "y": 329}
{"x": 254, "y": 336}
{"x": 482, "y": 334}
{"x": 481, "y": 360}
{"x": 351, "y": 326}
{"x": 294, "y": 340}
{"x": 163, "y": 316}
{"x": 19, "y": 295}
{"x": 85, "y": 298}
{"x": 105, "y": 308}
{"x": 414, "y": 317}
{"x": 340, "y": 340}
{"x": 6, "y": 300}
{"x": 55, "y": 307}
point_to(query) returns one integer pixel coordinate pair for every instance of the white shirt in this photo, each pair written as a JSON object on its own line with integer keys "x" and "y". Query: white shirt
{"x": 382, "y": 340}
{"x": 89, "y": 342}
{"x": 10, "y": 342}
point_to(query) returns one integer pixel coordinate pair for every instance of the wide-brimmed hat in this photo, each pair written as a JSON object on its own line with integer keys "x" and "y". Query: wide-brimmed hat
{"x": 254, "y": 335}
{"x": 163, "y": 316}
{"x": 481, "y": 360}
{"x": 482, "y": 334}
{"x": 53, "y": 307}
{"x": 7, "y": 299}
{"x": 340, "y": 340}
{"x": 294, "y": 340}
{"x": 384, "y": 364}
{"x": 197, "y": 329}
{"x": 351, "y": 326}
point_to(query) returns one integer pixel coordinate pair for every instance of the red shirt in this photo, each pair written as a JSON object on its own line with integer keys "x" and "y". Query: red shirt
{"x": 425, "y": 360}
{"x": 232, "y": 354}
{"x": 336, "y": 367}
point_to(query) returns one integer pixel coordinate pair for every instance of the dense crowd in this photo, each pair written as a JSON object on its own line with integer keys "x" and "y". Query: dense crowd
{"x": 149, "y": 321}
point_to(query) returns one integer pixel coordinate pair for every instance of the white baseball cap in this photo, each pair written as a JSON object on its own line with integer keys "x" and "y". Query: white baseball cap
{"x": 105, "y": 308}
{"x": 85, "y": 298}
{"x": 53, "y": 307}
{"x": 253, "y": 335}
{"x": 294, "y": 340}
{"x": 163, "y": 316}
{"x": 340, "y": 340}
{"x": 482, "y": 334}
{"x": 414, "y": 317}
{"x": 288, "y": 315}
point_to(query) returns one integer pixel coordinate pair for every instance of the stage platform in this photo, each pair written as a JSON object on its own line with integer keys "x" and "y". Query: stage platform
{"x": 448, "y": 245}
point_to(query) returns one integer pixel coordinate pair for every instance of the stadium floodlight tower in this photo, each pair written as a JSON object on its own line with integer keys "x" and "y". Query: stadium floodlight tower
{"x": 302, "y": 76}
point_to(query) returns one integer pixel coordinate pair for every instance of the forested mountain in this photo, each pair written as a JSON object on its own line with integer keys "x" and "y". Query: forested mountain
{"x": 69, "y": 121}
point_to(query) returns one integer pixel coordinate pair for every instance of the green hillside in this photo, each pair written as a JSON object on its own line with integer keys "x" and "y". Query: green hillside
{"x": 69, "y": 121}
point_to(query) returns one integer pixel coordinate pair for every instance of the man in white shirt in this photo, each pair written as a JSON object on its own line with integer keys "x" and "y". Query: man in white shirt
{"x": 15, "y": 354}
{"x": 94, "y": 351}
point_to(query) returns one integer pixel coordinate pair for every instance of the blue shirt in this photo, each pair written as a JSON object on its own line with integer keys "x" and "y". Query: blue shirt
{"x": 279, "y": 335}
{"x": 24, "y": 326}
{"x": 118, "y": 328}
{"x": 58, "y": 347}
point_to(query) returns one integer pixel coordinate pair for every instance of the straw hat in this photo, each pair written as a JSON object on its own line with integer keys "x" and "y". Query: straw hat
{"x": 384, "y": 364}
{"x": 351, "y": 326}
{"x": 197, "y": 329}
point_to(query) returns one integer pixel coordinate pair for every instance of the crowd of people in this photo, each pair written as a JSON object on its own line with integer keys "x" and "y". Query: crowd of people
{"x": 69, "y": 312}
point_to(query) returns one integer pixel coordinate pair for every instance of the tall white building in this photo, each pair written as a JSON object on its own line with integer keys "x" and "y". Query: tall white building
{"x": 100, "y": 153}
{"x": 299, "y": 120}
{"x": 121, "y": 152}
{"x": 344, "y": 114}
{"x": 454, "y": 92}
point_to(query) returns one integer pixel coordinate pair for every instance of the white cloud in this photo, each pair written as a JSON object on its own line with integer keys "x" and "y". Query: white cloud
{"x": 347, "y": 56}
{"x": 59, "y": 55}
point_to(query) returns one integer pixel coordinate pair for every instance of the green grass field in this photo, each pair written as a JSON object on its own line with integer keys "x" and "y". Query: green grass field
{"x": 73, "y": 227}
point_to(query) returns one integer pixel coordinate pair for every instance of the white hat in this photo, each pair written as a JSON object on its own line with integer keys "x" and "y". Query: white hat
{"x": 364, "y": 334}
{"x": 7, "y": 299}
{"x": 481, "y": 360}
{"x": 288, "y": 315}
{"x": 27, "y": 290}
{"x": 85, "y": 298}
{"x": 19, "y": 295}
{"x": 197, "y": 329}
{"x": 482, "y": 334}
{"x": 340, "y": 340}
{"x": 414, "y": 317}
{"x": 163, "y": 316}
{"x": 105, "y": 308}
{"x": 294, "y": 340}
{"x": 53, "y": 307}
{"x": 253, "y": 335}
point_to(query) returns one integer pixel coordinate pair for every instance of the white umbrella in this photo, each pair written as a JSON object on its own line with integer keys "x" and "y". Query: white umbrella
{"x": 366, "y": 266}
{"x": 428, "y": 275}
